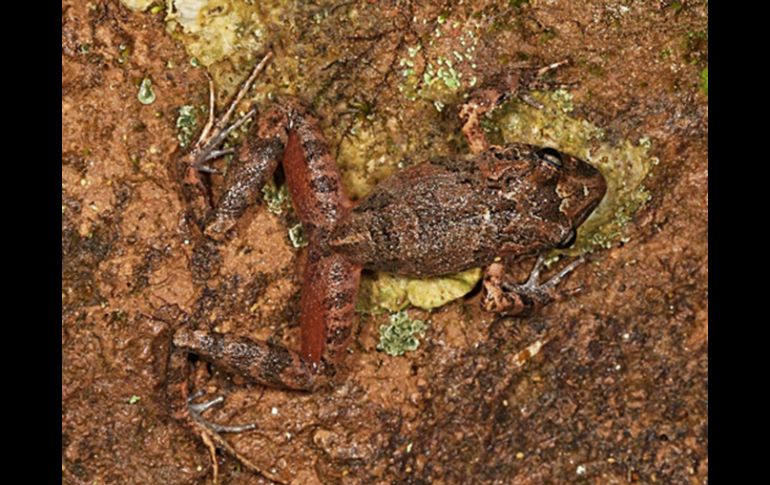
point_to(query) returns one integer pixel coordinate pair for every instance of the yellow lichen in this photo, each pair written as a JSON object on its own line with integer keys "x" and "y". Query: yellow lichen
{"x": 394, "y": 293}
{"x": 137, "y": 5}
{"x": 214, "y": 30}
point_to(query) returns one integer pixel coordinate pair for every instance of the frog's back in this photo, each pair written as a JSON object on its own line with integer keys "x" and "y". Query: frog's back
{"x": 448, "y": 215}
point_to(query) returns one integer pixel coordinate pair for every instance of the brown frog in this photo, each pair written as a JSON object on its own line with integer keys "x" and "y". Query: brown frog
{"x": 438, "y": 217}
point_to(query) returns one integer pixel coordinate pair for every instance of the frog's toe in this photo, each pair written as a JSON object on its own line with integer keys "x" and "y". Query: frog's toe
{"x": 556, "y": 279}
{"x": 506, "y": 297}
{"x": 197, "y": 410}
{"x": 202, "y": 167}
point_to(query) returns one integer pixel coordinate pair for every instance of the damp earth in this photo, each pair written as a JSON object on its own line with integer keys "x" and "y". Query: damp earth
{"x": 434, "y": 390}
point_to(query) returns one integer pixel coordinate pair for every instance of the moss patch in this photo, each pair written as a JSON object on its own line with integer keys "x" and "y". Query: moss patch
{"x": 400, "y": 335}
{"x": 704, "y": 81}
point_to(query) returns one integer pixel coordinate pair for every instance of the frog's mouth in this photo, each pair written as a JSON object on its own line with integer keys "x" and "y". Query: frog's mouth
{"x": 588, "y": 210}
{"x": 582, "y": 193}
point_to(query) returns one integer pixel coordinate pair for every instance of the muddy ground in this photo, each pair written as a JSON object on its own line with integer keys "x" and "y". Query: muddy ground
{"x": 618, "y": 392}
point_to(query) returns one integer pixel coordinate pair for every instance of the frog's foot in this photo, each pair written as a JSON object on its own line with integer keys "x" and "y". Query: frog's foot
{"x": 480, "y": 102}
{"x": 197, "y": 410}
{"x": 495, "y": 92}
{"x": 210, "y": 434}
{"x": 207, "y": 147}
{"x": 509, "y": 298}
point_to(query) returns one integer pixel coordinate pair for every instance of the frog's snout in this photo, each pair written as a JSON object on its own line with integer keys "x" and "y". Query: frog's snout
{"x": 582, "y": 187}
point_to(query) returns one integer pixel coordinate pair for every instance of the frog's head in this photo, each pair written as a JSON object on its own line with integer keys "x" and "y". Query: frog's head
{"x": 579, "y": 186}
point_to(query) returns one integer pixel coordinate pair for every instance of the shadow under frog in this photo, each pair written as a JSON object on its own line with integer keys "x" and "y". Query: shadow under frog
{"x": 438, "y": 217}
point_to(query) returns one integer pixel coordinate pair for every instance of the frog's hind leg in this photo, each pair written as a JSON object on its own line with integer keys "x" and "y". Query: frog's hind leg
{"x": 183, "y": 409}
{"x": 261, "y": 362}
{"x": 500, "y": 295}
{"x": 331, "y": 282}
{"x": 327, "y": 306}
{"x": 290, "y": 134}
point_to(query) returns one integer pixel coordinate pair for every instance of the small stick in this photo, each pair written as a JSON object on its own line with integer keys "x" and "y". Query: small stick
{"x": 242, "y": 92}
{"x": 210, "y": 122}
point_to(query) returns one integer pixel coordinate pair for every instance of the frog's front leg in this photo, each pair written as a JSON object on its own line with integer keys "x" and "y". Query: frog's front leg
{"x": 502, "y": 295}
{"x": 494, "y": 93}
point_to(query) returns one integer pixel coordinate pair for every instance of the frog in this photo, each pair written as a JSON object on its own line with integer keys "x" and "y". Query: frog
{"x": 436, "y": 217}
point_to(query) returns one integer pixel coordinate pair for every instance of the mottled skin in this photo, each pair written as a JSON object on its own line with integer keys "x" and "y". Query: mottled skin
{"x": 438, "y": 217}
{"x": 452, "y": 214}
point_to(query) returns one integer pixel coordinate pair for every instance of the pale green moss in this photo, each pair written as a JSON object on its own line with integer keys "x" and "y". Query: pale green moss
{"x": 387, "y": 291}
{"x": 185, "y": 124}
{"x": 297, "y": 236}
{"x": 215, "y": 30}
{"x": 366, "y": 157}
{"x": 137, "y": 5}
{"x": 435, "y": 292}
{"x": 276, "y": 198}
{"x": 146, "y": 95}
{"x": 400, "y": 335}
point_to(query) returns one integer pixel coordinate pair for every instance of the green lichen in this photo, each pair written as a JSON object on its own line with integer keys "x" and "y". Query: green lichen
{"x": 441, "y": 78}
{"x": 185, "y": 124}
{"x": 124, "y": 52}
{"x": 624, "y": 164}
{"x": 276, "y": 198}
{"x": 704, "y": 81}
{"x": 146, "y": 95}
{"x": 400, "y": 335}
{"x": 297, "y": 236}
{"x": 134, "y": 399}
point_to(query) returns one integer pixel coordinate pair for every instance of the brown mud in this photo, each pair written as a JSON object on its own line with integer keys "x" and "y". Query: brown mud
{"x": 618, "y": 392}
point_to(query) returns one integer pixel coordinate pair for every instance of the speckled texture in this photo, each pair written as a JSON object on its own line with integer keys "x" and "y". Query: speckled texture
{"x": 618, "y": 391}
{"x": 452, "y": 214}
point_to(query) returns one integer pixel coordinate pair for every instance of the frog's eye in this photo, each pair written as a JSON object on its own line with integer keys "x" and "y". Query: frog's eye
{"x": 568, "y": 241}
{"x": 550, "y": 156}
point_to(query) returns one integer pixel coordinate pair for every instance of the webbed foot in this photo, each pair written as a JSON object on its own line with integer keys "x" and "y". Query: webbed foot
{"x": 509, "y": 298}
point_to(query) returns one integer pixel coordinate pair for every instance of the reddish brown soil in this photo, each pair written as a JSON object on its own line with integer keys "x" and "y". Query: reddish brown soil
{"x": 617, "y": 395}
